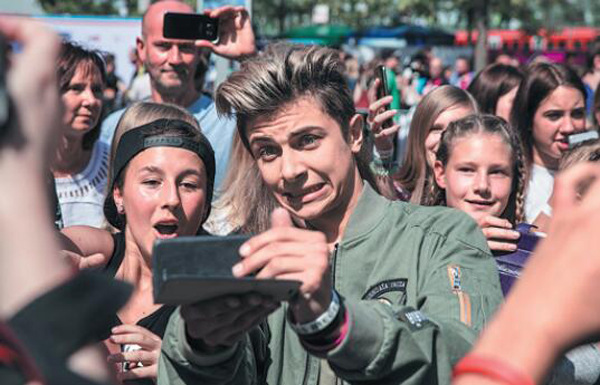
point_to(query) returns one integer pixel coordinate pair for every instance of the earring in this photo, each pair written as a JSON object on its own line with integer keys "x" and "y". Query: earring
{"x": 120, "y": 209}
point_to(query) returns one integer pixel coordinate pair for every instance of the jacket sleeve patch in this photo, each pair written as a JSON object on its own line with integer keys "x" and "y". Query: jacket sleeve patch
{"x": 414, "y": 319}
{"x": 464, "y": 301}
{"x": 383, "y": 287}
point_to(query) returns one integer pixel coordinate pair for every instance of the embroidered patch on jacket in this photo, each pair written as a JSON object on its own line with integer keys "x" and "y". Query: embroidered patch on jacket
{"x": 464, "y": 301}
{"x": 454, "y": 276}
{"x": 414, "y": 319}
{"x": 381, "y": 288}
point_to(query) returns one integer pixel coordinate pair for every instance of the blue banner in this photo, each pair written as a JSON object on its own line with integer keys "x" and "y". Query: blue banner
{"x": 219, "y": 3}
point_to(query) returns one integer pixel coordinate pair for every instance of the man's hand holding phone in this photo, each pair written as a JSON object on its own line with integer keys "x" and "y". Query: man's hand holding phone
{"x": 290, "y": 253}
{"x": 227, "y": 30}
{"x": 236, "y": 37}
{"x": 282, "y": 252}
{"x": 219, "y": 323}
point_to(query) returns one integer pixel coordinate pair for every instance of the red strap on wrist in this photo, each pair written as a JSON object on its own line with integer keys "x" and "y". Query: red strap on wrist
{"x": 491, "y": 368}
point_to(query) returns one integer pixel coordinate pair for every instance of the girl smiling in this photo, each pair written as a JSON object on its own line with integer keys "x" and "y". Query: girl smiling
{"x": 479, "y": 170}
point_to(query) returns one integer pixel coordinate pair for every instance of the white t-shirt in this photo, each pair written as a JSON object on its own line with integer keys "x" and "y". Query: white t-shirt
{"x": 541, "y": 184}
{"x": 81, "y": 196}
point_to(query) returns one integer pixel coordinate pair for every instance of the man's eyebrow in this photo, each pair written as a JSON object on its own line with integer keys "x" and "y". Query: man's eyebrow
{"x": 305, "y": 129}
{"x": 260, "y": 139}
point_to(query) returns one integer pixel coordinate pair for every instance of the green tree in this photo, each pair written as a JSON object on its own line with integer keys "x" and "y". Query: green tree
{"x": 78, "y": 7}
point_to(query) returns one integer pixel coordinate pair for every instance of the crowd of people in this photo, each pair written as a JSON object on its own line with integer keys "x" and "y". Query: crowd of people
{"x": 392, "y": 237}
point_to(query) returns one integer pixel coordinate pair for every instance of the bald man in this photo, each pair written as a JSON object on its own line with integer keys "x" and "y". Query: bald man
{"x": 173, "y": 64}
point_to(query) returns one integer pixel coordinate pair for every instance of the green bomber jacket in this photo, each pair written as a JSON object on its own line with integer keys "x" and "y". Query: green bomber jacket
{"x": 419, "y": 283}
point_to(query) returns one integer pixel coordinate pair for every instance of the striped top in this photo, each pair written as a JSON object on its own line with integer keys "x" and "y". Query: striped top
{"x": 81, "y": 196}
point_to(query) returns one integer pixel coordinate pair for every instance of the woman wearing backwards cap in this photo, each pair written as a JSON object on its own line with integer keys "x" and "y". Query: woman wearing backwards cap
{"x": 157, "y": 189}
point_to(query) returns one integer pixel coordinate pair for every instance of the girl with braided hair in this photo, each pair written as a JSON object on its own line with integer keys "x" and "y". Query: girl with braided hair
{"x": 549, "y": 107}
{"x": 479, "y": 169}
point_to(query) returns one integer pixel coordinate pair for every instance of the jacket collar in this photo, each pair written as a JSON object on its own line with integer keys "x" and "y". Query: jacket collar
{"x": 368, "y": 213}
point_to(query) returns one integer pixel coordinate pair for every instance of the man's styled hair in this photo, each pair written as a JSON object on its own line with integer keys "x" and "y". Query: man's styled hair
{"x": 282, "y": 74}
{"x": 264, "y": 85}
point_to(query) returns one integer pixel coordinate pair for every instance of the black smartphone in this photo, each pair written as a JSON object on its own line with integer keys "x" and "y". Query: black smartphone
{"x": 382, "y": 91}
{"x": 192, "y": 269}
{"x": 190, "y": 26}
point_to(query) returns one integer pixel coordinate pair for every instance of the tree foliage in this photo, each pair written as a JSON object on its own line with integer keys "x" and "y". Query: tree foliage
{"x": 78, "y": 7}
{"x": 276, "y": 16}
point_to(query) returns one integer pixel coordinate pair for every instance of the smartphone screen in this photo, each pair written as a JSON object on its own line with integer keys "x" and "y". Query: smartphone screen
{"x": 383, "y": 91}
{"x": 190, "y": 26}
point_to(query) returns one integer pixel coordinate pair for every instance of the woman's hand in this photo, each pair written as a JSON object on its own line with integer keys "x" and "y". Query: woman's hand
{"x": 499, "y": 233}
{"x": 142, "y": 363}
{"x": 378, "y": 115}
{"x": 287, "y": 252}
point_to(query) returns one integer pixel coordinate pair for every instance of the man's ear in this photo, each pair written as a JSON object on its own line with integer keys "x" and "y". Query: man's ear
{"x": 356, "y": 133}
{"x": 140, "y": 46}
{"x": 440, "y": 174}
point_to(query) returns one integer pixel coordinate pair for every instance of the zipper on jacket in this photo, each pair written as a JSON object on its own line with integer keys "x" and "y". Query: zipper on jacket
{"x": 334, "y": 263}
{"x": 306, "y": 369}
{"x": 309, "y": 358}
{"x": 464, "y": 301}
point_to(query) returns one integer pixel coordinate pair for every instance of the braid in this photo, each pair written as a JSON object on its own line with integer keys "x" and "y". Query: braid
{"x": 433, "y": 194}
{"x": 521, "y": 185}
{"x": 515, "y": 210}
{"x": 438, "y": 196}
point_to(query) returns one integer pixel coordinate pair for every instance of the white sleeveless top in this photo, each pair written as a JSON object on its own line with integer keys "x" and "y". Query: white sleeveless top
{"x": 541, "y": 184}
{"x": 81, "y": 196}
